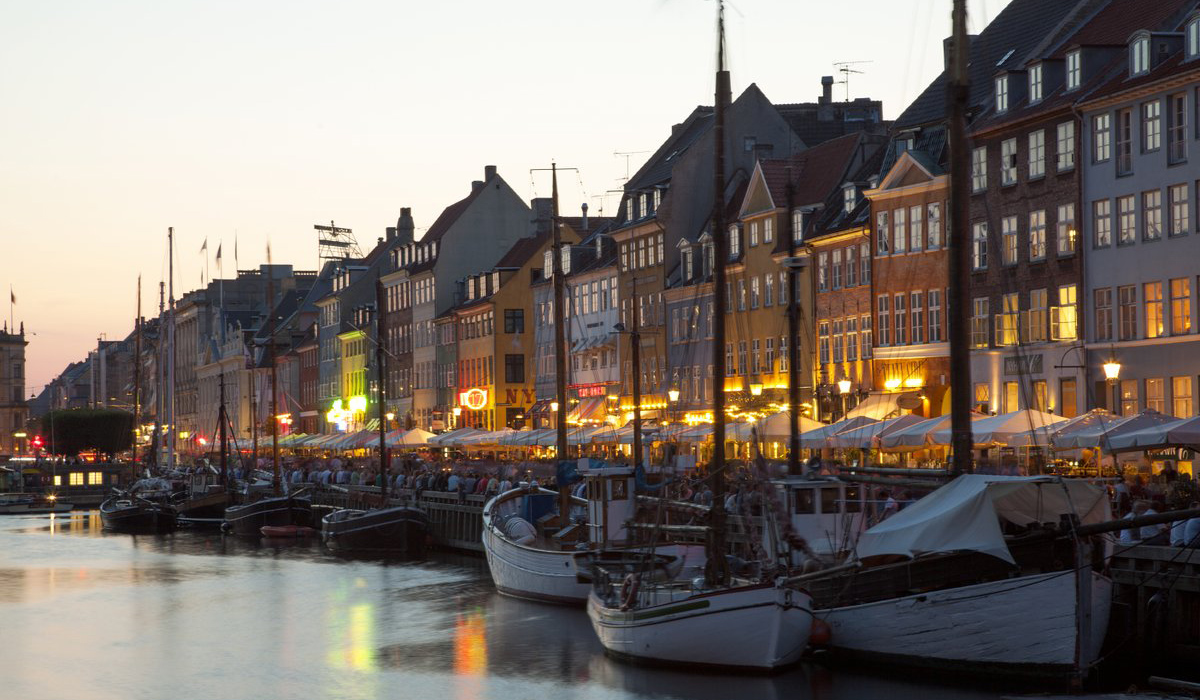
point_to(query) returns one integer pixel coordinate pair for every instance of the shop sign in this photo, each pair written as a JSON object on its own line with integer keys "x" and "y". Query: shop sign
{"x": 587, "y": 391}
{"x": 475, "y": 399}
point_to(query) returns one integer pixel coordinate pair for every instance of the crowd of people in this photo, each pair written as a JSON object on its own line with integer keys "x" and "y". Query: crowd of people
{"x": 1138, "y": 495}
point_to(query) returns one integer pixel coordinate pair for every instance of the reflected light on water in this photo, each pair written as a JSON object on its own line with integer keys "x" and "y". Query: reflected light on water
{"x": 361, "y": 650}
{"x": 470, "y": 645}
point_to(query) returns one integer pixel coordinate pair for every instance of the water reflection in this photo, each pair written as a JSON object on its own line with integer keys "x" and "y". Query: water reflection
{"x": 217, "y": 617}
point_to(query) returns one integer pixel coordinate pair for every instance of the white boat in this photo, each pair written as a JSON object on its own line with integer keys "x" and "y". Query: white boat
{"x": 940, "y": 584}
{"x": 827, "y": 513}
{"x": 27, "y": 503}
{"x": 531, "y": 553}
{"x": 749, "y": 627}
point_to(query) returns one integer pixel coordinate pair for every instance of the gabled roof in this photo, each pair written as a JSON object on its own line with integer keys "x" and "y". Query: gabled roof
{"x": 1113, "y": 25}
{"x": 814, "y": 172}
{"x": 452, "y": 213}
{"x": 523, "y": 250}
{"x": 657, "y": 168}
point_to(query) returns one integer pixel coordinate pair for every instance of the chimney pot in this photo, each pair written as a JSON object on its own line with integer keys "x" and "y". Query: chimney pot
{"x": 826, "y": 89}
{"x": 489, "y": 171}
{"x": 584, "y": 223}
{"x": 476, "y": 185}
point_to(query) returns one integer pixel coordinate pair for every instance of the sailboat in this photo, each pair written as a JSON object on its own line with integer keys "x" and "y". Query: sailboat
{"x": 750, "y": 622}
{"x": 389, "y": 530}
{"x": 278, "y": 510}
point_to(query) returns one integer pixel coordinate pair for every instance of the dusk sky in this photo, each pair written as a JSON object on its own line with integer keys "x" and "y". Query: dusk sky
{"x": 260, "y": 119}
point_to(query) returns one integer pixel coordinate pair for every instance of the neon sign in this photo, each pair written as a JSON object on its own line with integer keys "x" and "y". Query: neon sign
{"x": 474, "y": 399}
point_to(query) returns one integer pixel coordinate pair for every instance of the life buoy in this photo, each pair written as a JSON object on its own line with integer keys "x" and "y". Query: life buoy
{"x": 629, "y": 591}
{"x": 821, "y": 634}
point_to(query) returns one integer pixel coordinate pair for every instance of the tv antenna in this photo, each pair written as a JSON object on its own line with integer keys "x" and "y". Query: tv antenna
{"x": 334, "y": 243}
{"x": 626, "y": 154}
{"x": 844, "y": 68}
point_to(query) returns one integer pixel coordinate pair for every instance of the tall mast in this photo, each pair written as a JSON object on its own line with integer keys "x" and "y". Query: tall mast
{"x": 960, "y": 367}
{"x": 560, "y": 343}
{"x": 159, "y": 378}
{"x": 793, "y": 348}
{"x": 717, "y": 571}
{"x": 271, "y": 358}
{"x": 169, "y": 399}
{"x": 381, "y": 367}
{"x": 137, "y": 372}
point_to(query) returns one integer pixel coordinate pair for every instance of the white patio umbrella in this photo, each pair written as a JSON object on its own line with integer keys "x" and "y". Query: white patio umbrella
{"x": 1052, "y": 435}
{"x": 916, "y": 436}
{"x": 1102, "y": 434}
{"x": 1180, "y": 433}
{"x": 819, "y": 436}
{"x": 997, "y": 430}
{"x": 776, "y": 428}
{"x": 411, "y": 438}
{"x": 866, "y": 436}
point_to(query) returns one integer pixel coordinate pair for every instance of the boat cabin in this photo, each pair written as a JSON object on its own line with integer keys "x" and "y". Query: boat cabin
{"x": 828, "y": 513}
{"x": 611, "y": 501}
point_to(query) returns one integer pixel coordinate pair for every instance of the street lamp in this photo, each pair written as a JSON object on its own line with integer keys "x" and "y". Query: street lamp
{"x": 756, "y": 386}
{"x": 844, "y": 390}
{"x": 1112, "y": 372}
{"x": 673, "y": 394}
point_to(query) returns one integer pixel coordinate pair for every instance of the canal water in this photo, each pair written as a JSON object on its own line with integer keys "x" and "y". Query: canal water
{"x": 86, "y": 614}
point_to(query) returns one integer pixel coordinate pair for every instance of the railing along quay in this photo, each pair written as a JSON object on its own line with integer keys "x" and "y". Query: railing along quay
{"x": 1159, "y": 589}
{"x": 455, "y": 522}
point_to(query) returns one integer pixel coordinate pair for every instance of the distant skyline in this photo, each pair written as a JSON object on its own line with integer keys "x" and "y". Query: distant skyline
{"x": 258, "y": 120}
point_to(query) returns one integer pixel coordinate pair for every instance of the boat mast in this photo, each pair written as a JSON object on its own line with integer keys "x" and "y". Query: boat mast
{"x": 957, "y": 238}
{"x": 169, "y": 400}
{"x": 793, "y": 349}
{"x": 222, "y": 417}
{"x": 560, "y": 342}
{"x": 717, "y": 570}
{"x": 381, "y": 367}
{"x": 137, "y": 372}
{"x": 159, "y": 380}
{"x": 271, "y": 358}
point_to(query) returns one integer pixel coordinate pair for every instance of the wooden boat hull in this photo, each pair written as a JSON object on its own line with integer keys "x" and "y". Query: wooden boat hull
{"x": 754, "y": 628}
{"x": 530, "y": 573}
{"x": 247, "y": 520}
{"x": 1025, "y": 626}
{"x": 34, "y": 507}
{"x": 204, "y": 508}
{"x": 121, "y": 515}
{"x": 402, "y": 530}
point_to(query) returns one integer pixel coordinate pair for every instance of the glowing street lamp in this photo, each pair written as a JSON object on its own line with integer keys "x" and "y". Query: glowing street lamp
{"x": 1112, "y": 372}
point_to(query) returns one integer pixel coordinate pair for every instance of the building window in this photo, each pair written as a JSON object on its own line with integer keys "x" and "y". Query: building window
{"x": 770, "y": 356}
{"x": 75, "y": 479}
{"x": 742, "y": 357}
{"x": 1101, "y": 138}
{"x": 1002, "y": 94}
{"x": 730, "y": 367}
{"x": 979, "y": 169}
{"x": 1127, "y": 307}
{"x": 1151, "y": 126}
{"x": 1035, "y": 83}
{"x": 1066, "y": 229}
{"x": 901, "y": 327}
{"x": 1037, "y": 235}
{"x": 1152, "y": 297}
{"x": 753, "y": 226}
{"x": 852, "y": 339}
{"x": 754, "y": 292}
{"x": 1181, "y": 306}
{"x": 849, "y": 198}
{"x": 982, "y": 397}
{"x": 1155, "y": 401}
{"x": 1012, "y": 397}
{"x": 916, "y": 238}
{"x": 741, "y": 295}
{"x": 1139, "y": 56}
{"x": 837, "y": 340}
{"x": 1104, "y": 313}
{"x": 1008, "y": 240}
{"x": 851, "y": 268}
{"x": 934, "y": 211}
{"x": 1193, "y": 43}
{"x": 1124, "y": 142}
{"x": 917, "y": 316}
{"x": 979, "y": 322}
{"x": 783, "y": 354}
{"x": 735, "y": 242}
{"x": 1126, "y": 219}
{"x": 1035, "y": 325}
{"x": 864, "y": 330}
{"x": 768, "y": 229}
{"x": 837, "y": 268}
{"x": 1008, "y": 162}
{"x": 823, "y": 272}
{"x": 1066, "y": 146}
{"x": 1064, "y": 324}
{"x": 1074, "y": 71}
{"x": 1037, "y": 154}
{"x": 768, "y": 289}
{"x": 1180, "y": 210}
{"x": 514, "y": 320}
{"x": 979, "y": 246}
{"x": 1102, "y": 223}
{"x": 882, "y": 239}
{"x": 1068, "y": 398}
{"x": 935, "y": 316}
{"x": 864, "y": 262}
{"x": 514, "y": 369}
{"x": 1040, "y": 395}
{"x": 1177, "y": 128}
{"x": 899, "y": 230}
{"x": 797, "y": 225}
{"x": 755, "y": 356}
{"x": 1006, "y": 320}
{"x": 1152, "y": 215}
{"x": 823, "y": 341}
{"x": 1129, "y": 397}
{"x": 883, "y": 313}
{"x": 1181, "y": 396}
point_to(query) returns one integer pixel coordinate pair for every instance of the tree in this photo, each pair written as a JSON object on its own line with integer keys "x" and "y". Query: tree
{"x": 104, "y": 430}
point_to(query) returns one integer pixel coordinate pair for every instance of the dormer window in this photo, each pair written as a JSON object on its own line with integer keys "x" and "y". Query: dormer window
{"x": 1035, "y": 84}
{"x": 1074, "y": 70}
{"x": 658, "y": 192}
{"x": 566, "y": 260}
{"x": 1002, "y": 93}
{"x": 646, "y": 203}
{"x": 849, "y": 197}
{"x": 1139, "y": 56}
{"x": 547, "y": 263}
{"x": 1193, "y": 38}
{"x": 797, "y": 225}
{"x": 633, "y": 208}
{"x": 687, "y": 264}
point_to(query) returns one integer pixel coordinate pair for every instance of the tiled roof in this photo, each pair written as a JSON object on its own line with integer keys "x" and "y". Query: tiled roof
{"x": 815, "y": 172}
{"x": 1113, "y": 25}
{"x": 522, "y": 250}
{"x": 657, "y": 168}
{"x": 1018, "y": 29}
{"x": 835, "y": 218}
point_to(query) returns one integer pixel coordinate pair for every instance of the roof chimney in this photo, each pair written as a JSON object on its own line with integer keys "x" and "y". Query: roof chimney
{"x": 826, "y": 89}
{"x": 583, "y": 225}
{"x": 476, "y": 186}
{"x": 489, "y": 172}
{"x": 404, "y": 226}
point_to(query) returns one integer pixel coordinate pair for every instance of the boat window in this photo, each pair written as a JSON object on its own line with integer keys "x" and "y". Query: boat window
{"x": 620, "y": 490}
{"x": 853, "y": 499}
{"x": 805, "y": 503}
{"x": 829, "y": 500}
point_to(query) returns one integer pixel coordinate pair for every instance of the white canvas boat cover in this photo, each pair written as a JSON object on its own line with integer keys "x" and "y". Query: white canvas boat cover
{"x": 965, "y": 515}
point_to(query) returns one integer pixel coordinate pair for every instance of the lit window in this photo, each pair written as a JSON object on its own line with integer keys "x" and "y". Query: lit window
{"x": 1066, "y": 229}
{"x": 979, "y": 246}
{"x": 1037, "y": 234}
{"x": 1008, "y": 239}
{"x": 1002, "y": 94}
{"x": 1139, "y": 59}
{"x": 1035, "y": 83}
{"x": 1008, "y": 162}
